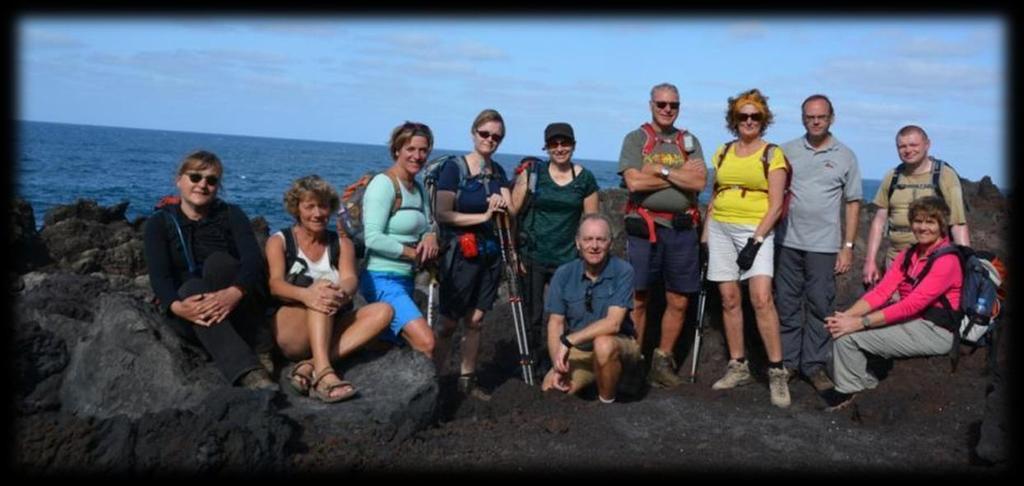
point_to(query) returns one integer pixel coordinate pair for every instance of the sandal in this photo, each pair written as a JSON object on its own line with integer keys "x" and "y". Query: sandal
{"x": 325, "y": 395}
{"x": 300, "y": 382}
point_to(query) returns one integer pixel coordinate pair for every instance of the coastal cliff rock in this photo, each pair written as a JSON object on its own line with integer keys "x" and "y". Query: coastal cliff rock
{"x": 101, "y": 385}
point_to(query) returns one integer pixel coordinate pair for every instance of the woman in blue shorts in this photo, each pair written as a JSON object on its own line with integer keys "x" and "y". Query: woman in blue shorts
{"x": 471, "y": 268}
{"x": 398, "y": 238}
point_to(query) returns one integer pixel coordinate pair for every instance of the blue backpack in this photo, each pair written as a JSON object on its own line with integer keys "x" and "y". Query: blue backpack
{"x": 981, "y": 297}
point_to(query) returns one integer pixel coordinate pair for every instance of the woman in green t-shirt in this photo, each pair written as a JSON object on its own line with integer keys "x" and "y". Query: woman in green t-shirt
{"x": 549, "y": 208}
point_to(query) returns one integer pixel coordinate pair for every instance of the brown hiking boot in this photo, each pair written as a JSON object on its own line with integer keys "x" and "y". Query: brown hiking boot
{"x": 663, "y": 371}
{"x": 820, "y": 380}
{"x": 468, "y": 387}
{"x": 258, "y": 379}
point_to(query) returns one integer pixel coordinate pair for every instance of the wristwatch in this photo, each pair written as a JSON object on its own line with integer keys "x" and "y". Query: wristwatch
{"x": 565, "y": 341}
{"x": 864, "y": 321}
{"x": 848, "y": 244}
{"x": 664, "y": 172}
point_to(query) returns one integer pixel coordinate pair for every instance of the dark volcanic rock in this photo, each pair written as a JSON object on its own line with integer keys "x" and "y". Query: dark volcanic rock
{"x": 86, "y": 210}
{"x": 130, "y": 363}
{"x": 26, "y": 248}
{"x": 233, "y": 431}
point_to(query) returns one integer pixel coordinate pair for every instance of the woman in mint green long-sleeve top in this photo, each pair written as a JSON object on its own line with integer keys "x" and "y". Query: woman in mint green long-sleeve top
{"x": 399, "y": 239}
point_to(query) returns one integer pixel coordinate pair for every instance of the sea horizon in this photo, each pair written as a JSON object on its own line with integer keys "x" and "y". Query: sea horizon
{"x": 48, "y": 150}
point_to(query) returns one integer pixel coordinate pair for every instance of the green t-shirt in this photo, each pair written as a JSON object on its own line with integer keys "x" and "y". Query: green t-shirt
{"x": 551, "y": 220}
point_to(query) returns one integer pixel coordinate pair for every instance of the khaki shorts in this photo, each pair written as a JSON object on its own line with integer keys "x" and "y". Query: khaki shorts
{"x": 581, "y": 363}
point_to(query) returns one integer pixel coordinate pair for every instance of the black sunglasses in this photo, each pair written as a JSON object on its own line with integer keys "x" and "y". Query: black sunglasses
{"x": 491, "y": 135}
{"x": 195, "y": 177}
{"x": 589, "y": 302}
{"x": 662, "y": 104}
{"x": 742, "y": 117}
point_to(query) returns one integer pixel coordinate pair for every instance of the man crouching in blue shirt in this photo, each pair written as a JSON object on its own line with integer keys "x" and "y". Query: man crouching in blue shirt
{"x": 590, "y": 334}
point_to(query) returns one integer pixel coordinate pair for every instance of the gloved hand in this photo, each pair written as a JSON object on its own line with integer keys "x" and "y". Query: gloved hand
{"x": 747, "y": 254}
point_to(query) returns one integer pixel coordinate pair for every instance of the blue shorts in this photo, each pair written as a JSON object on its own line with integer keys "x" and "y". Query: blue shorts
{"x": 395, "y": 290}
{"x": 672, "y": 259}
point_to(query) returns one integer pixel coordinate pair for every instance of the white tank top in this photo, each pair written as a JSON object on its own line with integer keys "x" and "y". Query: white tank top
{"x": 318, "y": 270}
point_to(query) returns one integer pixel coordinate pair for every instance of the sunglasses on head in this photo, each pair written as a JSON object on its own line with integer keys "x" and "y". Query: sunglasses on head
{"x": 195, "y": 177}
{"x": 742, "y": 117}
{"x": 491, "y": 135}
{"x": 671, "y": 104}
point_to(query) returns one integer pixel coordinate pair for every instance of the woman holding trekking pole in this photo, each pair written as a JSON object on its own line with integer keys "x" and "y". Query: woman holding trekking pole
{"x": 549, "y": 199}
{"x": 470, "y": 270}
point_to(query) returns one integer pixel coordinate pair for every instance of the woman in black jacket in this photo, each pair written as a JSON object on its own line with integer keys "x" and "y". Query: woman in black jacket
{"x": 207, "y": 272}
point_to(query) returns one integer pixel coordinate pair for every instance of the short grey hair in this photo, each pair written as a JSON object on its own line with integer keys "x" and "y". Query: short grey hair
{"x": 593, "y": 216}
{"x": 669, "y": 86}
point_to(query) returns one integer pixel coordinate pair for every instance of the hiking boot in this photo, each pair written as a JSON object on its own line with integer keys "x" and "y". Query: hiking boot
{"x": 258, "y": 379}
{"x": 267, "y": 361}
{"x": 820, "y": 380}
{"x": 468, "y": 387}
{"x": 736, "y": 374}
{"x": 837, "y": 401}
{"x": 777, "y": 383}
{"x": 663, "y": 371}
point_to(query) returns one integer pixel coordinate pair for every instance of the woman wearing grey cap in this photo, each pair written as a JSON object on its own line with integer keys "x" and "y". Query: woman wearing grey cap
{"x": 548, "y": 200}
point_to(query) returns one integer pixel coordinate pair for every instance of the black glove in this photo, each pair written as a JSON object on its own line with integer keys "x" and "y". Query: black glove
{"x": 747, "y": 254}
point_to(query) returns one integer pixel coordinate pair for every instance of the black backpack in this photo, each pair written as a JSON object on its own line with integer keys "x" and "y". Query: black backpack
{"x": 295, "y": 267}
{"x": 937, "y": 165}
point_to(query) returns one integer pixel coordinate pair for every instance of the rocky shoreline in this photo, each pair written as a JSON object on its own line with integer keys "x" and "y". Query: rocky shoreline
{"x": 103, "y": 387}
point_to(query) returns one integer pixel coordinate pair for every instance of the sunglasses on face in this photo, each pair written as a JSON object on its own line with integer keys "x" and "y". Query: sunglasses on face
{"x": 195, "y": 177}
{"x": 742, "y": 117}
{"x": 671, "y": 104}
{"x": 491, "y": 135}
{"x": 560, "y": 143}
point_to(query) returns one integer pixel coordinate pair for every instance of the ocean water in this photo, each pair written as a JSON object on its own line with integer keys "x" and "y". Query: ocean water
{"x": 59, "y": 163}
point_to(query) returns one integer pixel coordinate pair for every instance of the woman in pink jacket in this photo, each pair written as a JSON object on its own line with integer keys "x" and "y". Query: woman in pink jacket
{"x": 915, "y": 325}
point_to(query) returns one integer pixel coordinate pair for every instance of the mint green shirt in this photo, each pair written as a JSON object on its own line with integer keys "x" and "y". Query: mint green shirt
{"x": 386, "y": 236}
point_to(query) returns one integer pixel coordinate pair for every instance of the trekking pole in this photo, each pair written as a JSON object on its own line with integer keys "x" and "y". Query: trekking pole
{"x": 515, "y": 299}
{"x": 431, "y": 290}
{"x": 701, "y": 301}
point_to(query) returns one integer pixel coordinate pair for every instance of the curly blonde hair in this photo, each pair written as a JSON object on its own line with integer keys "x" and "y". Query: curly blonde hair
{"x": 749, "y": 97}
{"x": 311, "y": 184}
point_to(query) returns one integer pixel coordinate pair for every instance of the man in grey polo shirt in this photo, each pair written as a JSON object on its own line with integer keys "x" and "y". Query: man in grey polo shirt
{"x": 825, "y": 175}
{"x": 590, "y": 334}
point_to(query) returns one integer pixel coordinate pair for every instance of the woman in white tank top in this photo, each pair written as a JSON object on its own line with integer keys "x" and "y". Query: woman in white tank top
{"x": 313, "y": 309}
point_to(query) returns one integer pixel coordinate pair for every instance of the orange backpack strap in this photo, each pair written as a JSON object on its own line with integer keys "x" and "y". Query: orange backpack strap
{"x": 653, "y": 139}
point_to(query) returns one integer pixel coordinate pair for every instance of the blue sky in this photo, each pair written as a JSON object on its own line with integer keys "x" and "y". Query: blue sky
{"x": 352, "y": 79}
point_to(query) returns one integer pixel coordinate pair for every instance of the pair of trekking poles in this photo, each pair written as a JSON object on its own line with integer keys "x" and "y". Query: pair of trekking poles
{"x": 510, "y": 260}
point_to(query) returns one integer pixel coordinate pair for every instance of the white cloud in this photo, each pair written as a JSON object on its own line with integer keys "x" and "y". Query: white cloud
{"x": 908, "y": 76}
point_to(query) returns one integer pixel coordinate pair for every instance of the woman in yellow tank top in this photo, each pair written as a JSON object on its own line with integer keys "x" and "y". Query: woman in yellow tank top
{"x": 746, "y": 204}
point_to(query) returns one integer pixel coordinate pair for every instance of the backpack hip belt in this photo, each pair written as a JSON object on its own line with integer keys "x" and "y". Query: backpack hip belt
{"x": 691, "y": 215}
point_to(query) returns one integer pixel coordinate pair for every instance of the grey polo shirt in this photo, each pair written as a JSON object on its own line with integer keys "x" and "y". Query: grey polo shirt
{"x": 823, "y": 180}
{"x": 570, "y": 286}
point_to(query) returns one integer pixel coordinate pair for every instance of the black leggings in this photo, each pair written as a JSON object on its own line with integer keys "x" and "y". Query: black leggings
{"x": 231, "y": 352}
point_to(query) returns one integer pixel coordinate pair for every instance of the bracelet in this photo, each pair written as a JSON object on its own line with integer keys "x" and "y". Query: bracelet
{"x": 864, "y": 321}
{"x": 565, "y": 341}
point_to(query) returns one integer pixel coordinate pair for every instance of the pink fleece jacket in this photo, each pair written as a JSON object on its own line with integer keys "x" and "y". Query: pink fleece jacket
{"x": 945, "y": 277}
